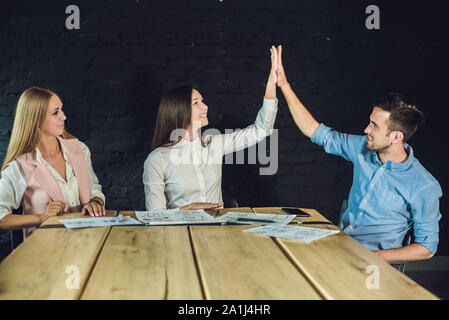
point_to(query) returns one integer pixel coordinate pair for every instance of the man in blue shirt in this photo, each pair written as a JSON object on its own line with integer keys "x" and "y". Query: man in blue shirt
{"x": 391, "y": 191}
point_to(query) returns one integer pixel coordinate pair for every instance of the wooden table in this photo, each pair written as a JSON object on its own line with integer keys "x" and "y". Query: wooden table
{"x": 196, "y": 262}
{"x": 43, "y": 266}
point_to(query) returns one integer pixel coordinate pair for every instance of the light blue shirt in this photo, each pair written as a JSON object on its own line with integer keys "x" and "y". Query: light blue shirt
{"x": 385, "y": 200}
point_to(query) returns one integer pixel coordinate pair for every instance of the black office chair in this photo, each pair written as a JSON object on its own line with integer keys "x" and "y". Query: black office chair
{"x": 16, "y": 238}
{"x": 10, "y": 239}
{"x": 16, "y": 235}
{"x": 344, "y": 205}
{"x": 5, "y": 243}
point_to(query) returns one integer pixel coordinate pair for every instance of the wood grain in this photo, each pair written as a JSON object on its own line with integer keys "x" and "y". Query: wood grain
{"x": 147, "y": 262}
{"x": 239, "y": 265}
{"x": 342, "y": 268}
{"x": 37, "y": 268}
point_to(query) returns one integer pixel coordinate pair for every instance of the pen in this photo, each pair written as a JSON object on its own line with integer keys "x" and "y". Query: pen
{"x": 254, "y": 220}
{"x": 313, "y": 222}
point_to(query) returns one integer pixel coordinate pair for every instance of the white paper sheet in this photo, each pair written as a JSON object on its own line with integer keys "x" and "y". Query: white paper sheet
{"x": 173, "y": 216}
{"x": 99, "y": 222}
{"x": 298, "y": 233}
{"x": 257, "y": 218}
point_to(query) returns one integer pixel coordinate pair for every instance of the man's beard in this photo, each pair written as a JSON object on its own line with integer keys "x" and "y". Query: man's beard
{"x": 373, "y": 147}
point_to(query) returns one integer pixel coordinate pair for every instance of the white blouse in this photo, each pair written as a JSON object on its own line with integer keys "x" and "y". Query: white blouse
{"x": 13, "y": 183}
{"x": 190, "y": 172}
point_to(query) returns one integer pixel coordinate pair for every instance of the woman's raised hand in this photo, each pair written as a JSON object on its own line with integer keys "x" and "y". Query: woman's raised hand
{"x": 270, "y": 89}
{"x": 274, "y": 65}
{"x": 280, "y": 73}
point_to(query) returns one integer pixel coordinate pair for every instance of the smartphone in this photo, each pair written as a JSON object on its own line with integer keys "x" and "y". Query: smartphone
{"x": 297, "y": 212}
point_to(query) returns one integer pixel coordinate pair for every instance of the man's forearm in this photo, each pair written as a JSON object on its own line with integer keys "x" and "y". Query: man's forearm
{"x": 303, "y": 119}
{"x": 410, "y": 253}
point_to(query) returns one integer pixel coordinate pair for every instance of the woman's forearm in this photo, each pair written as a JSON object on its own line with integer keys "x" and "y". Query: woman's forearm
{"x": 270, "y": 90}
{"x": 18, "y": 221}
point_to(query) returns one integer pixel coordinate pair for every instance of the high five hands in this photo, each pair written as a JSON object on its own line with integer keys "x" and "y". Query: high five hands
{"x": 277, "y": 73}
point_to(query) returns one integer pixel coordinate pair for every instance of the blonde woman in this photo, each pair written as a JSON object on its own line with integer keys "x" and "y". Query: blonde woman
{"x": 46, "y": 170}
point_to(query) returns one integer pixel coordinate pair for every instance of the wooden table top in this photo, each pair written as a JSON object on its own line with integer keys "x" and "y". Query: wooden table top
{"x": 195, "y": 262}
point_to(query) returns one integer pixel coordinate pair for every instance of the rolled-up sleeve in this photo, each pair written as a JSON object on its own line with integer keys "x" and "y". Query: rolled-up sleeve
{"x": 426, "y": 215}
{"x": 345, "y": 145}
{"x": 261, "y": 128}
{"x": 12, "y": 187}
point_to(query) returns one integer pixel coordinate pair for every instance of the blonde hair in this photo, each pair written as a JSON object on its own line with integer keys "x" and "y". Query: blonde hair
{"x": 29, "y": 122}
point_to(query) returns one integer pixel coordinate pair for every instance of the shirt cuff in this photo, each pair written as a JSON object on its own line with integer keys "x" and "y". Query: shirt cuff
{"x": 320, "y": 134}
{"x": 431, "y": 246}
{"x": 270, "y": 104}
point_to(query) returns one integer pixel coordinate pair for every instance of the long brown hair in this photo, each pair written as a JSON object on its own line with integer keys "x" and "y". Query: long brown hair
{"x": 174, "y": 113}
{"x": 29, "y": 123}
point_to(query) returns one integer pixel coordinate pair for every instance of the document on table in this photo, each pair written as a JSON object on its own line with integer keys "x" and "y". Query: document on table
{"x": 99, "y": 222}
{"x": 174, "y": 216}
{"x": 303, "y": 234}
{"x": 257, "y": 218}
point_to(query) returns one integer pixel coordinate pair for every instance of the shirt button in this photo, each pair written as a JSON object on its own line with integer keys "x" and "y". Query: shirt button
{"x": 371, "y": 185}
{"x": 364, "y": 201}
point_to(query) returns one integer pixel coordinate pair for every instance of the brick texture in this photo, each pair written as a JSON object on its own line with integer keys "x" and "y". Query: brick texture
{"x": 112, "y": 72}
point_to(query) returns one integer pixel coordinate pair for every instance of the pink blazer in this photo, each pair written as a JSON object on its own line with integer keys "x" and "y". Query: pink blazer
{"x": 43, "y": 188}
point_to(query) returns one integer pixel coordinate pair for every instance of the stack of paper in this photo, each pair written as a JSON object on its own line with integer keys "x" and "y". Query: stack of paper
{"x": 99, "y": 222}
{"x": 303, "y": 234}
{"x": 175, "y": 216}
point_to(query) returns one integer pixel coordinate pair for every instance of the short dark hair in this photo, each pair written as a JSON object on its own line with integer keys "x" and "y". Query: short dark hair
{"x": 404, "y": 113}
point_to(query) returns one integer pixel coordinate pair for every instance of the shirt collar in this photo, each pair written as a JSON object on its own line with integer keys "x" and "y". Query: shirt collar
{"x": 392, "y": 166}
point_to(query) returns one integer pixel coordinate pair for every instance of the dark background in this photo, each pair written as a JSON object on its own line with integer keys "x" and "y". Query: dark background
{"x": 112, "y": 72}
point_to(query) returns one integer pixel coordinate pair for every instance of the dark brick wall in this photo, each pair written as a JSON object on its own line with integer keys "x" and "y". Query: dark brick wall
{"x": 112, "y": 72}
